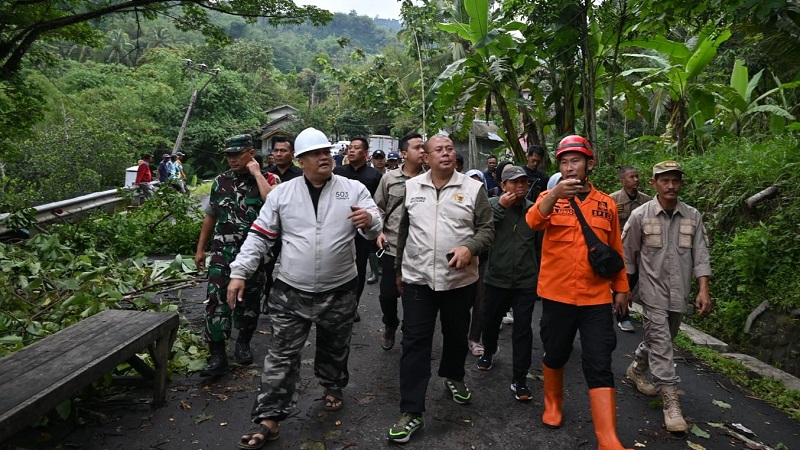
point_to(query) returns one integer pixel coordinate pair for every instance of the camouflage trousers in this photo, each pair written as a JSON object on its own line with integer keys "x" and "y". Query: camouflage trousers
{"x": 219, "y": 316}
{"x": 292, "y": 313}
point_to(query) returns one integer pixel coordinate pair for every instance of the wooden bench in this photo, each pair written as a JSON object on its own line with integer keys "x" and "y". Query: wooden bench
{"x": 39, "y": 377}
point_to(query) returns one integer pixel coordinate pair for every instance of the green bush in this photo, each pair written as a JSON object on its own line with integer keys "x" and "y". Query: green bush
{"x": 755, "y": 255}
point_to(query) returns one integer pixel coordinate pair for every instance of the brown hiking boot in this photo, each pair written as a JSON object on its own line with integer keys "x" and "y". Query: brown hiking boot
{"x": 673, "y": 416}
{"x": 387, "y": 340}
{"x": 637, "y": 372}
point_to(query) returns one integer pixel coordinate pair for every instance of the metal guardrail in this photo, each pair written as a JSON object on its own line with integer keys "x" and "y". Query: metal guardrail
{"x": 66, "y": 208}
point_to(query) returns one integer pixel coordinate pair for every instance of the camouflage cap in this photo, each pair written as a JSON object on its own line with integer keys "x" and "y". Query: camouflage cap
{"x": 666, "y": 166}
{"x": 238, "y": 143}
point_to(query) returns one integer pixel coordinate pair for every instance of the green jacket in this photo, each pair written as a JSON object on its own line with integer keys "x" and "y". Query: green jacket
{"x": 514, "y": 257}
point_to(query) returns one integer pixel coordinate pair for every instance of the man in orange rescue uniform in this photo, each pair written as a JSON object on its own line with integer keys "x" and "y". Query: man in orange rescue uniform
{"x": 574, "y": 297}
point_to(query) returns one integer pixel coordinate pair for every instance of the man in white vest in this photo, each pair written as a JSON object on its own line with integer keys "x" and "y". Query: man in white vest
{"x": 446, "y": 224}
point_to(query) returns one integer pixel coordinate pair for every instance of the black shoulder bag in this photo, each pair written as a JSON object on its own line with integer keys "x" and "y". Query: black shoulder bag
{"x": 605, "y": 261}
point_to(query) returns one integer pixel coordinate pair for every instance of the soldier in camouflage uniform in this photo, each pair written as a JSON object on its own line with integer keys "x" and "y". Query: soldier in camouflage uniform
{"x": 236, "y": 198}
{"x": 316, "y": 218}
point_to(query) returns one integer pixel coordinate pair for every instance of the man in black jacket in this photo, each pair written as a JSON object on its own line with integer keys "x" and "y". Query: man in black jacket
{"x": 511, "y": 275}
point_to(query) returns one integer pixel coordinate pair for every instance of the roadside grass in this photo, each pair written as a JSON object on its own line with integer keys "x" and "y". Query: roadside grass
{"x": 767, "y": 389}
{"x": 201, "y": 189}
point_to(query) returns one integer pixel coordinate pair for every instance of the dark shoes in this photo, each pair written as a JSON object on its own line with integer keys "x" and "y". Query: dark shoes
{"x": 242, "y": 353}
{"x": 388, "y": 338}
{"x": 486, "y": 360}
{"x": 218, "y": 361}
{"x": 521, "y": 391}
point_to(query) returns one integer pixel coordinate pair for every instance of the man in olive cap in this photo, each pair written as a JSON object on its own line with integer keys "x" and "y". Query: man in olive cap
{"x": 236, "y": 198}
{"x": 665, "y": 244}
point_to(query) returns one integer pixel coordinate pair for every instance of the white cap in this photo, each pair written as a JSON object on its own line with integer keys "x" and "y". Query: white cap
{"x": 310, "y": 139}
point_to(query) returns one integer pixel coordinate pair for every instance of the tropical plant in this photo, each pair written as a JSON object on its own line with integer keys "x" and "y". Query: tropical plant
{"x": 488, "y": 74}
{"x": 677, "y": 67}
{"x": 740, "y": 105}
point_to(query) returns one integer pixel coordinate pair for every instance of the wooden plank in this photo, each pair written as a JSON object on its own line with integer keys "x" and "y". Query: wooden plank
{"x": 39, "y": 377}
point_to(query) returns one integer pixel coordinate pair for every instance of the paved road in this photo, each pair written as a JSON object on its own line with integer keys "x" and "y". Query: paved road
{"x": 201, "y": 415}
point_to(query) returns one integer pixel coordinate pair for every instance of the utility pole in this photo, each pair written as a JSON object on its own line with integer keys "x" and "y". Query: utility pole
{"x": 202, "y": 68}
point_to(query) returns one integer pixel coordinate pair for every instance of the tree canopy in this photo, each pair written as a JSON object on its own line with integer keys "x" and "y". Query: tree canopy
{"x": 27, "y": 22}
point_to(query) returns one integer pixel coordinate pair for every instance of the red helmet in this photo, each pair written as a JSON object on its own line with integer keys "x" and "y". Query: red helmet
{"x": 574, "y": 143}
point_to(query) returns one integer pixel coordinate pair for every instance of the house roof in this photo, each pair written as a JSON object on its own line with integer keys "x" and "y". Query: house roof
{"x": 275, "y": 125}
{"x": 278, "y": 108}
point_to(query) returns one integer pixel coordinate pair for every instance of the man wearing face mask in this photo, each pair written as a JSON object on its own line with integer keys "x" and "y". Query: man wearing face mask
{"x": 574, "y": 297}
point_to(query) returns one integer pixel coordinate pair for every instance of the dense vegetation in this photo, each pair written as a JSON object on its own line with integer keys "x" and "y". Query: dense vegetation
{"x": 713, "y": 84}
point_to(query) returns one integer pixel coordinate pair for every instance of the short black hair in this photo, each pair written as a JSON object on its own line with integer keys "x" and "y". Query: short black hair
{"x": 404, "y": 140}
{"x": 491, "y": 156}
{"x": 459, "y": 158}
{"x": 624, "y": 169}
{"x": 362, "y": 139}
{"x": 286, "y": 139}
{"x": 502, "y": 166}
{"x": 536, "y": 150}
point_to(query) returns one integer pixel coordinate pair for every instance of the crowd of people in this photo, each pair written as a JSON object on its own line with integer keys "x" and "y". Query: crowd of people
{"x": 463, "y": 248}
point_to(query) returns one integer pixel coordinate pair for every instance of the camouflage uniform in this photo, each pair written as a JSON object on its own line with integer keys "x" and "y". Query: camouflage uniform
{"x": 235, "y": 202}
{"x": 291, "y": 313}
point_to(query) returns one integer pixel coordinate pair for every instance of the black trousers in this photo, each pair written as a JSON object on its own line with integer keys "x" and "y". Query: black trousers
{"x": 559, "y": 324}
{"x": 421, "y": 305}
{"x": 521, "y": 301}
{"x": 363, "y": 248}
{"x": 389, "y": 294}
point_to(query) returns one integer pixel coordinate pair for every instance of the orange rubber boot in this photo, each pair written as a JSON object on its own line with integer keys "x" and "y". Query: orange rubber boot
{"x": 553, "y": 396}
{"x": 604, "y": 416}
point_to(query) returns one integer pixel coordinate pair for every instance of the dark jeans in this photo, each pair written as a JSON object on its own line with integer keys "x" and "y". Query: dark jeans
{"x": 559, "y": 324}
{"x": 363, "y": 247}
{"x": 388, "y": 296}
{"x": 521, "y": 301}
{"x": 421, "y": 305}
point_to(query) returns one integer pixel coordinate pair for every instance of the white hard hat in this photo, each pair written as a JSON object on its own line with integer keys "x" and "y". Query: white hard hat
{"x": 310, "y": 139}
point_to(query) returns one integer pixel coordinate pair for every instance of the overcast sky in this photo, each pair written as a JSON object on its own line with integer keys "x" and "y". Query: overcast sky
{"x": 386, "y": 9}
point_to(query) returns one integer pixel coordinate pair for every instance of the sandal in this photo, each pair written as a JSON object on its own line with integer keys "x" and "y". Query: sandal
{"x": 334, "y": 400}
{"x": 263, "y": 430}
{"x": 476, "y": 348}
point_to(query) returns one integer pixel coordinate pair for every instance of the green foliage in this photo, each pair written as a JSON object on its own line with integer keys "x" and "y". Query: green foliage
{"x": 167, "y": 223}
{"x": 754, "y": 256}
{"x": 74, "y": 21}
{"x": 60, "y": 276}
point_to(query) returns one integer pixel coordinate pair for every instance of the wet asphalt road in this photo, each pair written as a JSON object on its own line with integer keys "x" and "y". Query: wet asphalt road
{"x": 213, "y": 415}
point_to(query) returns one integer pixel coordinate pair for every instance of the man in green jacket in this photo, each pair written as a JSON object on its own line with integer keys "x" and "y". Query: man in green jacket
{"x": 511, "y": 275}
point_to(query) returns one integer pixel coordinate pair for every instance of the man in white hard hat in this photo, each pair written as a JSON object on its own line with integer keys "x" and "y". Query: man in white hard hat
{"x": 315, "y": 217}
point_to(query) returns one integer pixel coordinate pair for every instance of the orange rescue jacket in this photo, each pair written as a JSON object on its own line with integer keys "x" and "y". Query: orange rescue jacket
{"x": 565, "y": 275}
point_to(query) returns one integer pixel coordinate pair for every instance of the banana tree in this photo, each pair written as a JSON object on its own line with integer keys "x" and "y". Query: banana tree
{"x": 675, "y": 71}
{"x": 489, "y": 73}
{"x": 738, "y": 104}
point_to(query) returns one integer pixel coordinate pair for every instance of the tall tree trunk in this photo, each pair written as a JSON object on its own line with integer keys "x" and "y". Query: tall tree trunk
{"x": 623, "y": 15}
{"x": 509, "y": 128}
{"x": 588, "y": 79}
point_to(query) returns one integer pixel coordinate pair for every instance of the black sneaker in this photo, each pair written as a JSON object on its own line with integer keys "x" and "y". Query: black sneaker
{"x": 486, "y": 360}
{"x": 405, "y": 427}
{"x": 521, "y": 391}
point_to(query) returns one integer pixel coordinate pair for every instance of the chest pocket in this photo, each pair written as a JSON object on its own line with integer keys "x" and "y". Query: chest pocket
{"x": 651, "y": 232}
{"x": 561, "y": 229}
{"x": 601, "y": 227}
{"x": 686, "y": 233}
